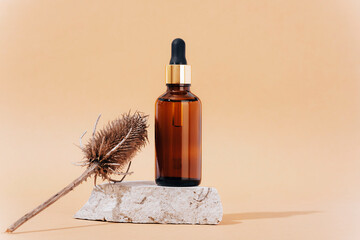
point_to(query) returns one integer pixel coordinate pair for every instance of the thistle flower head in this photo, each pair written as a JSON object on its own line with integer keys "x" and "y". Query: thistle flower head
{"x": 112, "y": 147}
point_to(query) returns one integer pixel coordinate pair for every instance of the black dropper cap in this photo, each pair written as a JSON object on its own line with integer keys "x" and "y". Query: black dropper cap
{"x": 178, "y": 52}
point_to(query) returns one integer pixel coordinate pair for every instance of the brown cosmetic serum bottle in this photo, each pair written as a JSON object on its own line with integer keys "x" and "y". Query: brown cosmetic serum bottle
{"x": 178, "y": 126}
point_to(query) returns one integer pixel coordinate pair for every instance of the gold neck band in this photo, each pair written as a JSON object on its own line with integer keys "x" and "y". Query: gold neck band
{"x": 178, "y": 74}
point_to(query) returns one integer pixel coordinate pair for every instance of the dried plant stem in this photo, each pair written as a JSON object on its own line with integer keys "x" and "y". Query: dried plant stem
{"x": 89, "y": 171}
{"x": 106, "y": 153}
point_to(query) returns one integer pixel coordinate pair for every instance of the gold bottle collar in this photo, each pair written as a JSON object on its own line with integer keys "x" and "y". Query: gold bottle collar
{"x": 178, "y": 74}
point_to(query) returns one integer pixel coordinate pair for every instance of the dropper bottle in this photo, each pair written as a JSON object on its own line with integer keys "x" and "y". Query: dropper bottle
{"x": 178, "y": 125}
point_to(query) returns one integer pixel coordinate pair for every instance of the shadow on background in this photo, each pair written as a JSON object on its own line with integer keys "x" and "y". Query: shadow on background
{"x": 236, "y": 218}
{"x": 228, "y": 219}
{"x": 62, "y": 228}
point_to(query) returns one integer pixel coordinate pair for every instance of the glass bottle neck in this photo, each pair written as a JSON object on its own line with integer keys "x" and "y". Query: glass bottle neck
{"x": 178, "y": 87}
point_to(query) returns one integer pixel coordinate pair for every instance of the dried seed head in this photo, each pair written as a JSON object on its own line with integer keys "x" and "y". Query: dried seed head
{"x": 114, "y": 146}
{"x": 107, "y": 151}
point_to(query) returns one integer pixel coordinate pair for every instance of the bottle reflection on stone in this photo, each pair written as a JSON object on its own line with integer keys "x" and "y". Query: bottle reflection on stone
{"x": 178, "y": 126}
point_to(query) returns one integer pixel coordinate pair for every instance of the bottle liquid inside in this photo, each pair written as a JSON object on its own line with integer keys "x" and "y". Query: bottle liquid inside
{"x": 178, "y": 137}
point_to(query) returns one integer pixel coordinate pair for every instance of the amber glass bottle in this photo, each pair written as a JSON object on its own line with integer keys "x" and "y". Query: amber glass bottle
{"x": 178, "y": 126}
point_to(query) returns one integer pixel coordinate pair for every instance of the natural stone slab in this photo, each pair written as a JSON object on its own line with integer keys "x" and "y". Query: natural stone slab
{"x": 145, "y": 202}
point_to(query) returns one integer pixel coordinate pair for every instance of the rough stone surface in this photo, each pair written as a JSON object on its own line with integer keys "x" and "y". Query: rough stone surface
{"x": 145, "y": 202}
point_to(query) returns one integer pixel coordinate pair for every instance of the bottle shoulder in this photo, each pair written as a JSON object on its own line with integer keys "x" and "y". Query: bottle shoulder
{"x": 178, "y": 96}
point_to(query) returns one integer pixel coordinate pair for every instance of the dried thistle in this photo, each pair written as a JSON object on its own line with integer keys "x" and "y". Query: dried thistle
{"x": 107, "y": 153}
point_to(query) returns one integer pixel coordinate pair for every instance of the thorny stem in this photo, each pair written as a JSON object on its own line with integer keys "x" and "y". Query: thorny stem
{"x": 93, "y": 168}
{"x": 88, "y": 172}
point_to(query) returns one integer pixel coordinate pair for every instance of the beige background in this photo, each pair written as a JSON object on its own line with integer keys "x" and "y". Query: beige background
{"x": 279, "y": 82}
